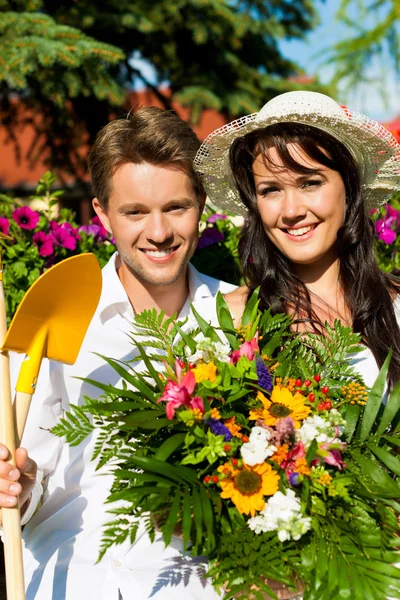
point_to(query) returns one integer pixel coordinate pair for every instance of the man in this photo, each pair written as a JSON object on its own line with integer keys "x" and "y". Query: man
{"x": 149, "y": 198}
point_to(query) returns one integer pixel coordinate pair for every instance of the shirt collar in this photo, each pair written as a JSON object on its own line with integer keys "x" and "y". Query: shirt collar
{"x": 114, "y": 298}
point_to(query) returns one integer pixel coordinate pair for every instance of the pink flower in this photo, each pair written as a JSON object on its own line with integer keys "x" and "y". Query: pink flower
{"x": 178, "y": 393}
{"x": 64, "y": 238}
{"x": 289, "y": 464}
{"x": 384, "y": 231}
{"x": 44, "y": 243}
{"x": 334, "y": 458}
{"x": 247, "y": 349}
{"x": 4, "y": 226}
{"x": 25, "y": 217}
{"x": 102, "y": 233}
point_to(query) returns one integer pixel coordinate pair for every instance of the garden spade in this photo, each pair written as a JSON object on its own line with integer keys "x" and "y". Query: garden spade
{"x": 50, "y": 322}
{"x": 10, "y": 516}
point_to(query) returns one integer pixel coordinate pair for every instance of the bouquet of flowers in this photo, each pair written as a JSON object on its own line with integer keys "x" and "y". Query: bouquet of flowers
{"x": 262, "y": 447}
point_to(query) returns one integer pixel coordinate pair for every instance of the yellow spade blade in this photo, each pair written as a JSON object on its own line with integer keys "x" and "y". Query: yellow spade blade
{"x": 54, "y": 315}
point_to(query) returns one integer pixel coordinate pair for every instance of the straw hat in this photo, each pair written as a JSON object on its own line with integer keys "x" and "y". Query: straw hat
{"x": 374, "y": 148}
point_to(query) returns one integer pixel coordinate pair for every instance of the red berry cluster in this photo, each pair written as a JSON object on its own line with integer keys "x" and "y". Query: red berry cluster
{"x": 304, "y": 387}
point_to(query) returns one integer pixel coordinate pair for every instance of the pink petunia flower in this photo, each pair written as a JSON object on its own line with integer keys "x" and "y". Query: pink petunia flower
{"x": 62, "y": 237}
{"x": 102, "y": 233}
{"x": 44, "y": 243}
{"x": 25, "y": 217}
{"x": 4, "y": 226}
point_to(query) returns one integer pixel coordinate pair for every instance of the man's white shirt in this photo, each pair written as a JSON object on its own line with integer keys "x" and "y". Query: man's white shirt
{"x": 62, "y": 539}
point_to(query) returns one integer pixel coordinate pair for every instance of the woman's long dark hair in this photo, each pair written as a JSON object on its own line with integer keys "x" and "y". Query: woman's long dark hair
{"x": 368, "y": 292}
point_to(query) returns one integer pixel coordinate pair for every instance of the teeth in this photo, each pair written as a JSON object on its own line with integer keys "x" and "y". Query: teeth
{"x": 300, "y": 231}
{"x": 159, "y": 253}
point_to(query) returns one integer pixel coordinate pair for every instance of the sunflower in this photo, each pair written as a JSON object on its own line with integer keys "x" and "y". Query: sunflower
{"x": 282, "y": 404}
{"x": 246, "y": 486}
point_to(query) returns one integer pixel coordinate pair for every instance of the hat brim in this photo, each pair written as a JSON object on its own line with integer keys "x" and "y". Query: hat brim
{"x": 373, "y": 147}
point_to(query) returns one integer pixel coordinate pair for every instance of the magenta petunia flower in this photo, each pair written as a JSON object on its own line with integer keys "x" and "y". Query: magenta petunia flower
{"x": 216, "y": 217}
{"x": 90, "y": 229}
{"x": 25, "y": 217}
{"x": 4, "y": 226}
{"x": 63, "y": 238}
{"x": 102, "y": 234}
{"x": 383, "y": 228}
{"x": 44, "y": 243}
{"x": 387, "y": 236}
{"x": 209, "y": 236}
{"x": 74, "y": 232}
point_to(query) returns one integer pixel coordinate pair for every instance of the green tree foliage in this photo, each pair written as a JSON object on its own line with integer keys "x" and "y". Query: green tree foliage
{"x": 220, "y": 54}
{"x": 373, "y": 39}
{"x": 46, "y": 63}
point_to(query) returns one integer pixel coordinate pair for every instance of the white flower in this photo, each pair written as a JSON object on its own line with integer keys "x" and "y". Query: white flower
{"x": 207, "y": 350}
{"x": 259, "y": 434}
{"x": 282, "y": 514}
{"x": 256, "y": 453}
{"x": 315, "y": 428}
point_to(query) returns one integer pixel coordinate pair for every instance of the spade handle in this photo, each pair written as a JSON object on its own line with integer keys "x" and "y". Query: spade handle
{"x": 21, "y": 406}
{"x": 11, "y": 517}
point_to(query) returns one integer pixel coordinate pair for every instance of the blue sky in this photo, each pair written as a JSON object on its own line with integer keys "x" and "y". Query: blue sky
{"x": 307, "y": 54}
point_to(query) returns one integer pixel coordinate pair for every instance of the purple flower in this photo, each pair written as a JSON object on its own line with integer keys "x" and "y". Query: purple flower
{"x": 4, "y": 226}
{"x": 294, "y": 479}
{"x": 44, "y": 243}
{"x": 90, "y": 229}
{"x": 264, "y": 376}
{"x": 102, "y": 234}
{"x": 63, "y": 238}
{"x": 25, "y": 217}
{"x": 218, "y": 428}
{"x": 216, "y": 217}
{"x": 209, "y": 236}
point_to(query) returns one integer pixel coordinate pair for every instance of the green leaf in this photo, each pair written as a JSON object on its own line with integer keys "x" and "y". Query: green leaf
{"x": 172, "y": 519}
{"x": 178, "y": 474}
{"x": 225, "y": 320}
{"x": 208, "y": 516}
{"x": 205, "y": 327}
{"x": 374, "y": 402}
{"x": 150, "y": 368}
{"x": 390, "y": 461}
{"x": 251, "y": 308}
{"x": 351, "y": 415}
{"x": 169, "y": 446}
{"x": 198, "y": 515}
{"x": 190, "y": 342}
{"x": 186, "y": 518}
{"x": 311, "y": 451}
{"x": 391, "y": 409}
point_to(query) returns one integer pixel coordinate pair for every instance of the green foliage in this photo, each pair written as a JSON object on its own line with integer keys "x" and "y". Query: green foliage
{"x": 387, "y": 226}
{"x": 372, "y": 38}
{"x": 162, "y": 466}
{"x": 23, "y": 259}
{"x": 73, "y": 61}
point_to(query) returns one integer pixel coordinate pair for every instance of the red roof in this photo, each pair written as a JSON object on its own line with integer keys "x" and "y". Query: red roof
{"x": 20, "y": 174}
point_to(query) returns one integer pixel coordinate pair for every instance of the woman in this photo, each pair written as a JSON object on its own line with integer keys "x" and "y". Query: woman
{"x": 305, "y": 172}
